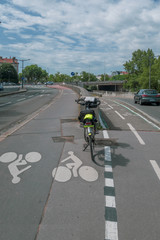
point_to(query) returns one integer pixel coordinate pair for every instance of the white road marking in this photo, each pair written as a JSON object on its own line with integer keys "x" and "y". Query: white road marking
{"x": 105, "y": 134}
{"x": 110, "y": 106}
{"x": 109, "y": 182}
{"x": 119, "y": 115}
{"x": 21, "y": 99}
{"x": 155, "y": 167}
{"x": 110, "y": 201}
{"x": 151, "y": 123}
{"x": 17, "y": 161}
{"x": 111, "y": 233}
{"x": 136, "y": 134}
{"x": 64, "y": 173}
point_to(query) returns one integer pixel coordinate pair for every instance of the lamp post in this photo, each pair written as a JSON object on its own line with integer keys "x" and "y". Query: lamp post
{"x": 23, "y": 60}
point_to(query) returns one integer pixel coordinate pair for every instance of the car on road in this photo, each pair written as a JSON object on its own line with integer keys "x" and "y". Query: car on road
{"x": 147, "y": 96}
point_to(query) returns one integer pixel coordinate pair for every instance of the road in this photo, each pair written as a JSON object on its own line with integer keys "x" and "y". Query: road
{"x": 15, "y": 108}
{"x": 50, "y": 188}
{"x": 136, "y": 169}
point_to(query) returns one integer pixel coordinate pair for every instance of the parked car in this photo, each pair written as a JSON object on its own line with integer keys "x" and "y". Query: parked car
{"x": 1, "y": 87}
{"x": 147, "y": 96}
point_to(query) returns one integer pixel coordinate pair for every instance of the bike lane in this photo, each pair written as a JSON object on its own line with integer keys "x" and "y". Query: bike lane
{"x": 34, "y": 204}
{"x": 75, "y": 209}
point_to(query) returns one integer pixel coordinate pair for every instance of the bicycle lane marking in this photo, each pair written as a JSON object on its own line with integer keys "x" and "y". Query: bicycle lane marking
{"x": 64, "y": 173}
{"x": 111, "y": 225}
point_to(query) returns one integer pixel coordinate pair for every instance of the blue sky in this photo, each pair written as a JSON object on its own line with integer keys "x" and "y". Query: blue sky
{"x": 67, "y": 36}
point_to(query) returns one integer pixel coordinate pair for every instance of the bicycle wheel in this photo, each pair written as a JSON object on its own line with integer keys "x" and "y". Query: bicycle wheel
{"x": 91, "y": 144}
{"x": 86, "y": 134}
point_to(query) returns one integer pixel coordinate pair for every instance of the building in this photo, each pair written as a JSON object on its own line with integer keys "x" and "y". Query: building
{"x": 10, "y": 60}
{"x": 115, "y": 73}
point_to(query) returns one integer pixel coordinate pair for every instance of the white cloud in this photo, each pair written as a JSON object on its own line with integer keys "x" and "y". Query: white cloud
{"x": 79, "y": 34}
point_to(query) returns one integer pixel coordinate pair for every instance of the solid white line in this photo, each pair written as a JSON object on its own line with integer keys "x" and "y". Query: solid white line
{"x": 136, "y": 134}
{"x": 120, "y": 115}
{"x": 155, "y": 167}
{"x": 110, "y": 201}
{"x": 111, "y": 232}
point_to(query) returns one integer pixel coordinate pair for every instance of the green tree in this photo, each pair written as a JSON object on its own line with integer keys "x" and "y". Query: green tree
{"x": 35, "y": 74}
{"x": 8, "y": 73}
{"x": 87, "y": 77}
{"x": 104, "y": 77}
{"x": 138, "y": 69}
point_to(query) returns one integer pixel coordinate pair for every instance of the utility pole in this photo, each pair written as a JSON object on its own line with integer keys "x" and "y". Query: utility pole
{"x": 23, "y": 60}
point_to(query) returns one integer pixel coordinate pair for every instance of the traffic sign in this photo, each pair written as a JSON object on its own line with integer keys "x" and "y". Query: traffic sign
{"x": 72, "y": 73}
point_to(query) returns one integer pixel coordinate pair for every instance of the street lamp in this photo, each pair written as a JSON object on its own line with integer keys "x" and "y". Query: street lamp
{"x": 23, "y": 60}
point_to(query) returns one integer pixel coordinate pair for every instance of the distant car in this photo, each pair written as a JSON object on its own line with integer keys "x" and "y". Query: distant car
{"x": 49, "y": 83}
{"x": 147, "y": 96}
{"x": 1, "y": 87}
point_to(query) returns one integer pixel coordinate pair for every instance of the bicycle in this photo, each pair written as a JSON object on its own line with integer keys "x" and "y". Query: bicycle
{"x": 88, "y": 118}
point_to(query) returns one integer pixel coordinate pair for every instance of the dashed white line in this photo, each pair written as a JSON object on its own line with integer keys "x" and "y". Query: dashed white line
{"x": 155, "y": 167}
{"x": 136, "y": 134}
{"x": 119, "y": 115}
{"x": 111, "y": 225}
{"x": 105, "y": 134}
{"x": 111, "y": 233}
{"x": 110, "y": 106}
{"x": 110, "y": 201}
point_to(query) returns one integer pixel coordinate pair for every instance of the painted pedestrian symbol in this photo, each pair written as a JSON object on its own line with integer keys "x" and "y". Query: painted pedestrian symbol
{"x": 64, "y": 173}
{"x": 17, "y": 161}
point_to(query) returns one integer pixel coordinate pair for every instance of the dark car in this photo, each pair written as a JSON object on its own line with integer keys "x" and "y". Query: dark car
{"x": 147, "y": 96}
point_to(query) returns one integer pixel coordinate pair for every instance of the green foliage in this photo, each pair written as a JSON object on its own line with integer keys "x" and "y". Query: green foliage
{"x": 104, "y": 77}
{"x": 35, "y": 74}
{"x": 118, "y": 77}
{"x": 142, "y": 67}
{"x": 8, "y": 73}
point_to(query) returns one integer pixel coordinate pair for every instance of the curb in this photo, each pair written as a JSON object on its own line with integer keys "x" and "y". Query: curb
{"x": 11, "y": 93}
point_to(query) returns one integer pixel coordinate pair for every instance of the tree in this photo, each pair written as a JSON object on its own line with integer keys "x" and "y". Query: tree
{"x": 35, "y": 74}
{"x": 88, "y": 77}
{"x": 104, "y": 77}
{"x": 8, "y": 73}
{"x": 138, "y": 69}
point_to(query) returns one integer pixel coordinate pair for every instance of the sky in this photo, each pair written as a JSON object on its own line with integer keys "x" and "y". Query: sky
{"x": 96, "y": 36}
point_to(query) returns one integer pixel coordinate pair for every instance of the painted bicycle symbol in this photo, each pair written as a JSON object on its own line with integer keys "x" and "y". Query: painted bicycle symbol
{"x": 64, "y": 173}
{"x": 17, "y": 161}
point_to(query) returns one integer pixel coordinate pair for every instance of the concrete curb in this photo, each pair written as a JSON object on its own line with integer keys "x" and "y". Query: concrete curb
{"x": 11, "y": 93}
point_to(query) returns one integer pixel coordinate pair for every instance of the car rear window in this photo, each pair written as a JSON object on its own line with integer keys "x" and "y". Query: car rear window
{"x": 150, "y": 92}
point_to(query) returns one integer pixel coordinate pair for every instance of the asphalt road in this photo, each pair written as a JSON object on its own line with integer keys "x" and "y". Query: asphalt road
{"x": 50, "y": 188}
{"x": 17, "y": 107}
{"x": 136, "y": 168}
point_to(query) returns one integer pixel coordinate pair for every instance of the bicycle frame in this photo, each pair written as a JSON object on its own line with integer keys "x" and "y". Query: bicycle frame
{"x": 89, "y": 121}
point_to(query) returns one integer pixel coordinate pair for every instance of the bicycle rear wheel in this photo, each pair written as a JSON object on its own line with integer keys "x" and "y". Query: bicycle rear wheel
{"x": 91, "y": 145}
